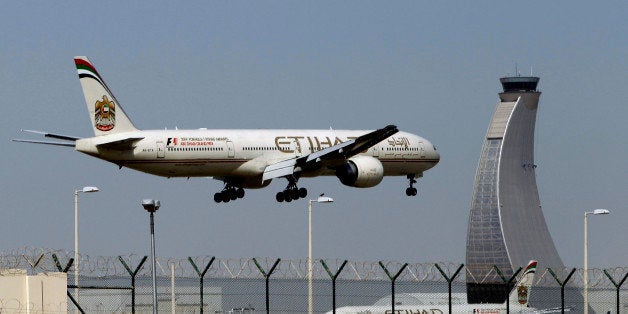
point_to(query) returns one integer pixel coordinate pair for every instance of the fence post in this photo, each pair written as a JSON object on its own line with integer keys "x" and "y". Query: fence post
{"x": 449, "y": 280}
{"x": 65, "y": 270}
{"x": 508, "y": 283}
{"x": 617, "y": 286}
{"x": 333, "y": 282}
{"x": 58, "y": 264}
{"x": 132, "y": 273}
{"x": 392, "y": 279}
{"x": 267, "y": 277}
{"x": 34, "y": 265}
{"x": 562, "y": 287}
{"x": 201, "y": 275}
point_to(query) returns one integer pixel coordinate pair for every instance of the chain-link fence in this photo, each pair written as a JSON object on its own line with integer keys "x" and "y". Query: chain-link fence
{"x": 123, "y": 284}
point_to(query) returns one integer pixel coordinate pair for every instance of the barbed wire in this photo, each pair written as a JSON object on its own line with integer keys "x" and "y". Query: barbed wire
{"x": 37, "y": 260}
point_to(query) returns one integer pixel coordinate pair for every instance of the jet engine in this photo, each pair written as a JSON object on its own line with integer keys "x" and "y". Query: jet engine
{"x": 361, "y": 172}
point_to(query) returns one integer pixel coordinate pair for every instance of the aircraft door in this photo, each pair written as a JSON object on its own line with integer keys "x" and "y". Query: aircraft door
{"x": 296, "y": 148}
{"x": 375, "y": 151}
{"x": 422, "y": 150}
{"x": 161, "y": 149}
{"x": 230, "y": 149}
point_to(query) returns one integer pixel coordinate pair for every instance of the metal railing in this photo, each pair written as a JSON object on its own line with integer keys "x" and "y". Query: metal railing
{"x": 206, "y": 284}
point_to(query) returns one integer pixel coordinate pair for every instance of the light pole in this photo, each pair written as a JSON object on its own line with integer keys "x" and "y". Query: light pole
{"x": 586, "y": 257}
{"x": 86, "y": 189}
{"x": 152, "y": 206}
{"x": 320, "y": 199}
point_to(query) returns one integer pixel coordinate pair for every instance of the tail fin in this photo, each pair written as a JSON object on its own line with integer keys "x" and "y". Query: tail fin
{"x": 521, "y": 294}
{"x": 104, "y": 109}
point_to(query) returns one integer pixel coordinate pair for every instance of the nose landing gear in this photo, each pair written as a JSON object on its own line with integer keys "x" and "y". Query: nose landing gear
{"x": 411, "y": 191}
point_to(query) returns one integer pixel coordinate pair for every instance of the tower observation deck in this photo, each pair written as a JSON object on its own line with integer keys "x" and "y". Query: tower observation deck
{"x": 515, "y": 84}
{"x": 506, "y": 223}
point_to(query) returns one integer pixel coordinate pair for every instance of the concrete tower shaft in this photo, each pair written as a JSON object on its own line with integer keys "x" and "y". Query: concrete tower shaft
{"x": 506, "y": 223}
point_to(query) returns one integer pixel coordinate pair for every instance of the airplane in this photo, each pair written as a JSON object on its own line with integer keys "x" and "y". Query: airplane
{"x": 438, "y": 303}
{"x": 244, "y": 159}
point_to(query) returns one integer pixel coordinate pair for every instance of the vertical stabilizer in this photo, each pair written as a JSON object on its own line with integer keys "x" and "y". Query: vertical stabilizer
{"x": 520, "y": 295}
{"x": 104, "y": 109}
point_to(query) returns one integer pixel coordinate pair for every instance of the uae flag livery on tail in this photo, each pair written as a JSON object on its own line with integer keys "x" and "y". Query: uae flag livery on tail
{"x": 104, "y": 109}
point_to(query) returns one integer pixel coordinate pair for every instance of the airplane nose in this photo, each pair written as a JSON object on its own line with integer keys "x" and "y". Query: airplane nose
{"x": 432, "y": 153}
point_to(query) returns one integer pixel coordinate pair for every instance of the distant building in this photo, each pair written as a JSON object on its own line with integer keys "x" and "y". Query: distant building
{"x": 506, "y": 224}
{"x": 40, "y": 293}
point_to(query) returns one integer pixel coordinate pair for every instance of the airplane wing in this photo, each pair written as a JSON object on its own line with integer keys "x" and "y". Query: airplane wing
{"x": 328, "y": 157}
{"x": 279, "y": 169}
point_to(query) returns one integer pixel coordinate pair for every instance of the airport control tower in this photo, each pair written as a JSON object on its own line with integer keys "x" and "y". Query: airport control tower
{"x": 506, "y": 223}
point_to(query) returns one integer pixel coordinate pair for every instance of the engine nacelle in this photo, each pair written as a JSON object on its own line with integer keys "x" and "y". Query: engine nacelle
{"x": 361, "y": 172}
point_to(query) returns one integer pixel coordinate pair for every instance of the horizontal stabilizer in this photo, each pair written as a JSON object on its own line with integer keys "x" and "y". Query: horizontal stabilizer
{"x": 42, "y": 142}
{"x": 124, "y": 144}
{"x": 52, "y": 135}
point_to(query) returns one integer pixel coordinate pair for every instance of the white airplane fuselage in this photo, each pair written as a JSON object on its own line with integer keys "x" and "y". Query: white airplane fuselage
{"x": 438, "y": 303}
{"x": 246, "y": 153}
{"x": 439, "y": 309}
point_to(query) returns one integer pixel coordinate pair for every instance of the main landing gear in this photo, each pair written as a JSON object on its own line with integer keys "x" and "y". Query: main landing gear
{"x": 229, "y": 193}
{"x": 411, "y": 191}
{"x": 291, "y": 193}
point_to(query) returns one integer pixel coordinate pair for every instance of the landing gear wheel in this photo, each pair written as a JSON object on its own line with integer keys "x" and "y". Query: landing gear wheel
{"x": 229, "y": 193}
{"x": 302, "y": 192}
{"x": 411, "y": 191}
{"x": 292, "y": 192}
{"x": 280, "y": 197}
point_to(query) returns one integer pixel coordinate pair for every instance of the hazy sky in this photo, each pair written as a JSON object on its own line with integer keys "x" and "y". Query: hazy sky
{"x": 431, "y": 68}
